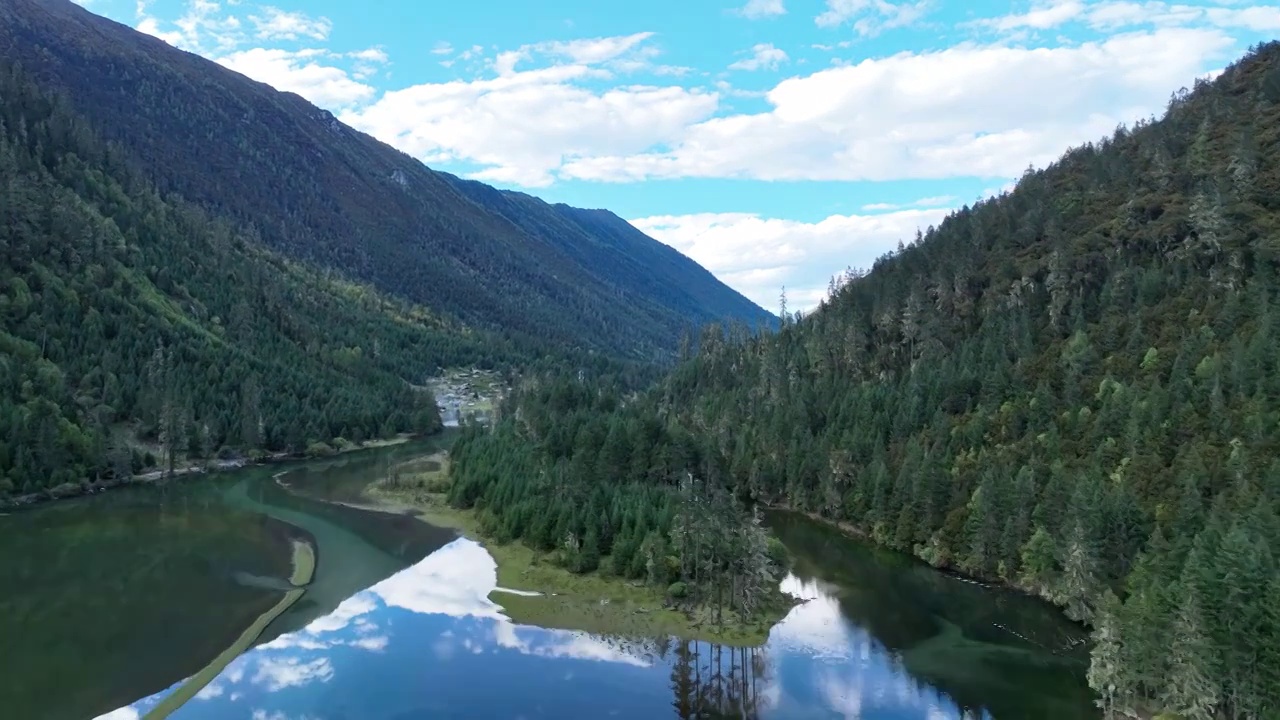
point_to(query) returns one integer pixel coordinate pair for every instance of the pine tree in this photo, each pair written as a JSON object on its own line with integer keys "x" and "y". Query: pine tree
{"x": 1038, "y": 559}
{"x": 1147, "y": 614}
{"x": 1078, "y": 587}
{"x": 1108, "y": 675}
{"x": 1269, "y": 642}
{"x": 982, "y": 531}
{"x": 1245, "y": 566}
{"x": 1192, "y": 688}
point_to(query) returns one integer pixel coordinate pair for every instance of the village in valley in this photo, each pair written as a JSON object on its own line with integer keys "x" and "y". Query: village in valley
{"x": 469, "y": 394}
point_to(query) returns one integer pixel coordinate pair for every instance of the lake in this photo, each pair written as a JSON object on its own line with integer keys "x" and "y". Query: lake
{"x": 108, "y": 603}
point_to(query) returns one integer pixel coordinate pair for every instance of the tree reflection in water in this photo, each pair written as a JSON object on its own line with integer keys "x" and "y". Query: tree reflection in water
{"x": 715, "y": 681}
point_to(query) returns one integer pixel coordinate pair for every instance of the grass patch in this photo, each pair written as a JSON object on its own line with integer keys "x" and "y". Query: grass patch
{"x": 593, "y": 602}
{"x": 429, "y": 474}
{"x": 304, "y": 566}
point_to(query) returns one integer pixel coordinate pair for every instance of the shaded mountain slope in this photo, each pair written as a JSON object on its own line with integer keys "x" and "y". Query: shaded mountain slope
{"x": 636, "y": 265}
{"x": 130, "y": 320}
{"x": 320, "y": 191}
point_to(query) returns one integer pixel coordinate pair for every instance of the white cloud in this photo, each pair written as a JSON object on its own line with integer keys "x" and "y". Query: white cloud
{"x": 202, "y": 28}
{"x": 302, "y": 72}
{"x": 1111, "y": 15}
{"x": 277, "y": 24}
{"x": 593, "y": 50}
{"x": 347, "y": 611}
{"x": 455, "y": 580}
{"x": 971, "y": 110}
{"x": 279, "y": 673}
{"x": 373, "y": 55}
{"x": 564, "y": 644}
{"x": 724, "y": 87}
{"x": 260, "y": 714}
{"x": 556, "y": 110}
{"x": 869, "y": 17}
{"x": 521, "y": 126}
{"x": 756, "y": 256}
{"x": 124, "y": 713}
{"x": 1258, "y": 19}
{"x": 817, "y": 627}
{"x": 764, "y": 56}
{"x": 211, "y": 691}
{"x": 621, "y": 51}
{"x": 151, "y": 26}
{"x": 1041, "y": 17}
{"x": 757, "y": 9}
{"x": 377, "y": 643}
{"x": 935, "y": 201}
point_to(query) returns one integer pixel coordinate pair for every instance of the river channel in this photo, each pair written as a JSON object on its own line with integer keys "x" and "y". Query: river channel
{"x": 109, "y": 603}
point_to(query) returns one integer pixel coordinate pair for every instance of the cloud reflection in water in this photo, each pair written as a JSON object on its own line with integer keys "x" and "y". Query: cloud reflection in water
{"x": 421, "y": 642}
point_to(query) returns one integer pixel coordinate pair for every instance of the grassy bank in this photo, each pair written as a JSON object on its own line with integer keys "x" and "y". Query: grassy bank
{"x": 304, "y": 565}
{"x": 594, "y": 602}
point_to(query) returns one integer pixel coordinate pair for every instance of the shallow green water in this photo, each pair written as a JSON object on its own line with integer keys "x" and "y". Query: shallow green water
{"x": 109, "y": 598}
{"x": 107, "y": 603}
{"x": 103, "y": 598}
{"x": 986, "y": 648}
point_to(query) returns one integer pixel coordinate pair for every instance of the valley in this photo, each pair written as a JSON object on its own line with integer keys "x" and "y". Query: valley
{"x": 387, "y": 441}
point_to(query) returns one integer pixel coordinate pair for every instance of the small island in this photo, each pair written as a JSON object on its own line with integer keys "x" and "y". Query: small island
{"x": 570, "y": 588}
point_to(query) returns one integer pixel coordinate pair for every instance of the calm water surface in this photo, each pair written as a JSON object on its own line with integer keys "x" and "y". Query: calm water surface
{"x": 125, "y": 595}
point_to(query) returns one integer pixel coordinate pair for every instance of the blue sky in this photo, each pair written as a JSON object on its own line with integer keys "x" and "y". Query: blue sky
{"x": 774, "y": 141}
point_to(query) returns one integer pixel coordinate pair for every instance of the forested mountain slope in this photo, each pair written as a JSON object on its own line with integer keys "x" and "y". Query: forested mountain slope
{"x": 129, "y": 316}
{"x": 1073, "y": 388}
{"x": 319, "y": 191}
{"x": 601, "y": 240}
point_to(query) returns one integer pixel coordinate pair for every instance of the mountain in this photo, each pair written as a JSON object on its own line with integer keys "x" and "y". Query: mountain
{"x": 318, "y": 191}
{"x": 599, "y": 239}
{"x": 133, "y": 323}
{"x": 1073, "y": 388}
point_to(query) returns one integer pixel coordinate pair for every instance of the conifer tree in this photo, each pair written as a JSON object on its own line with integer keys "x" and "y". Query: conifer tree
{"x": 1108, "y": 674}
{"x": 1192, "y": 688}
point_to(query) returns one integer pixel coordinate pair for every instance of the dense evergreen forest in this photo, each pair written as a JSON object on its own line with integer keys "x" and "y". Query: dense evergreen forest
{"x": 129, "y": 319}
{"x": 574, "y": 474}
{"x": 1073, "y": 388}
{"x": 321, "y": 192}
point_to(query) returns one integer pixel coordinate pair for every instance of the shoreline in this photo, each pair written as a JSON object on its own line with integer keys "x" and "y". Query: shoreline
{"x": 999, "y": 584}
{"x": 532, "y": 590}
{"x": 206, "y": 466}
